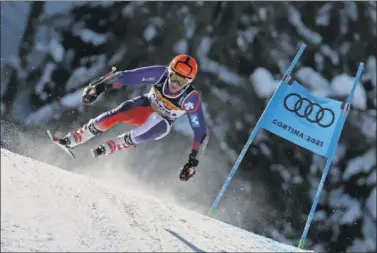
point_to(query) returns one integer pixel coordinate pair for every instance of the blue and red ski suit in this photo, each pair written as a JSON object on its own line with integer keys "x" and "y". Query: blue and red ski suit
{"x": 154, "y": 112}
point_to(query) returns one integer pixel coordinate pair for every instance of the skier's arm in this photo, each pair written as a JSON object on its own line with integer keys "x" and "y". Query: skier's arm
{"x": 195, "y": 114}
{"x": 145, "y": 75}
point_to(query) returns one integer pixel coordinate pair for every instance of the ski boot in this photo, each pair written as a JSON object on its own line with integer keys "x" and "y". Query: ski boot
{"x": 121, "y": 142}
{"x": 63, "y": 143}
{"x": 100, "y": 150}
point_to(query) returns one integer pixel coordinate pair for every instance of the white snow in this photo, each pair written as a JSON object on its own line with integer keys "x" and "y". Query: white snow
{"x": 368, "y": 126}
{"x": 284, "y": 173}
{"x": 189, "y": 23}
{"x": 319, "y": 215}
{"x": 369, "y": 229}
{"x": 344, "y": 48}
{"x": 294, "y": 17}
{"x": 55, "y": 7}
{"x": 82, "y": 75}
{"x": 78, "y": 77}
{"x": 204, "y": 47}
{"x": 329, "y": 52}
{"x": 265, "y": 150}
{"x": 90, "y": 36}
{"x": 222, "y": 94}
{"x": 323, "y": 17}
{"x": 263, "y": 82}
{"x": 118, "y": 56}
{"x": 360, "y": 164}
{"x": 2, "y": 108}
{"x": 55, "y": 109}
{"x": 351, "y": 214}
{"x": 317, "y": 84}
{"x": 371, "y": 203}
{"x": 263, "y": 13}
{"x": 42, "y": 115}
{"x": 347, "y": 209}
{"x": 224, "y": 74}
{"x": 372, "y": 13}
{"x": 181, "y": 46}
{"x": 14, "y": 16}
{"x": 150, "y": 32}
{"x": 368, "y": 243}
{"x": 238, "y": 125}
{"x": 48, "y": 209}
{"x": 129, "y": 9}
{"x": 370, "y": 70}
{"x": 319, "y": 61}
{"x": 101, "y": 3}
{"x": 341, "y": 86}
{"x": 57, "y": 50}
{"x": 343, "y": 23}
{"x": 46, "y": 77}
{"x": 359, "y": 246}
{"x": 72, "y": 100}
{"x": 371, "y": 180}
{"x": 157, "y": 21}
{"x": 249, "y": 34}
{"x": 351, "y": 10}
{"x": 14, "y": 61}
{"x": 13, "y": 19}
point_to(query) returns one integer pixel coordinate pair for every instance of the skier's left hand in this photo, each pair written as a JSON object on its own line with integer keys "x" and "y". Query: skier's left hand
{"x": 189, "y": 169}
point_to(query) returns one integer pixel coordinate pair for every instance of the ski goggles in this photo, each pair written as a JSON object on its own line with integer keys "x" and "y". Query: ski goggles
{"x": 178, "y": 79}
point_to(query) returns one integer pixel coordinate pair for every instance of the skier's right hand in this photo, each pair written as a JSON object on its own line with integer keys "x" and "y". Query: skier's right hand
{"x": 90, "y": 94}
{"x": 97, "y": 86}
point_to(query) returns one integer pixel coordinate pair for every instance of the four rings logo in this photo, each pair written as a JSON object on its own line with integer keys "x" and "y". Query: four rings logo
{"x": 312, "y": 112}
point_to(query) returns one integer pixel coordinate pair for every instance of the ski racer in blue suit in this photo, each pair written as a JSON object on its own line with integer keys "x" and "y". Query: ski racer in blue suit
{"x": 171, "y": 96}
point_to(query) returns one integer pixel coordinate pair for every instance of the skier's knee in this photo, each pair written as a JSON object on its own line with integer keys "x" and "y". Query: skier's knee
{"x": 93, "y": 127}
{"x": 127, "y": 138}
{"x": 159, "y": 129}
{"x": 103, "y": 122}
{"x": 166, "y": 131}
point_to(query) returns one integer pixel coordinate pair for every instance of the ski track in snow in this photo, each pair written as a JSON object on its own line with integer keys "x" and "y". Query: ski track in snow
{"x": 45, "y": 208}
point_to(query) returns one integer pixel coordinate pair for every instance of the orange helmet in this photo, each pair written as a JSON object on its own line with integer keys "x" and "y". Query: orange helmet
{"x": 184, "y": 65}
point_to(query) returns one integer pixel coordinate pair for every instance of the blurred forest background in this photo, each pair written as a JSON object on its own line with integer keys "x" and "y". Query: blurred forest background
{"x": 51, "y": 50}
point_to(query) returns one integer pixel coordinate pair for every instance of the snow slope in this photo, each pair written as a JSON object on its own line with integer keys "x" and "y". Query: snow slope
{"x": 44, "y": 208}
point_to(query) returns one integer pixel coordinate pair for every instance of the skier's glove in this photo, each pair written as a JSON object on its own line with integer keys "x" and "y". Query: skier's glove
{"x": 90, "y": 94}
{"x": 98, "y": 86}
{"x": 189, "y": 169}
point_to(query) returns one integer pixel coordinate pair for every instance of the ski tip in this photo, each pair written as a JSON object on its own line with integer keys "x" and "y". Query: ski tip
{"x": 71, "y": 154}
{"x": 49, "y": 134}
{"x": 93, "y": 153}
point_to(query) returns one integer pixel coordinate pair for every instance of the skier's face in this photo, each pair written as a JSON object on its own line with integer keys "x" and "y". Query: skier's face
{"x": 177, "y": 82}
{"x": 175, "y": 87}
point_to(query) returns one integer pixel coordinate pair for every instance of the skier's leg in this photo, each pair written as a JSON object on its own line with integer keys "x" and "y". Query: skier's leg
{"x": 125, "y": 112}
{"x": 133, "y": 112}
{"x": 154, "y": 128}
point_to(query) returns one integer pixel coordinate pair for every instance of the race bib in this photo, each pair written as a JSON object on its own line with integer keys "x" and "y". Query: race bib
{"x": 163, "y": 105}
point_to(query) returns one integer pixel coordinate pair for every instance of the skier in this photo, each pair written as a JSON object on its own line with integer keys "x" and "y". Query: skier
{"x": 171, "y": 96}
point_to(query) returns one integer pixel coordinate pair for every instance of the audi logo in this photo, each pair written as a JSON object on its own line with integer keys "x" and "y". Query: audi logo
{"x": 312, "y": 112}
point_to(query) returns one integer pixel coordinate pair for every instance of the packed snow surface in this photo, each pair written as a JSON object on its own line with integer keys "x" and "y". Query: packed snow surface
{"x": 44, "y": 208}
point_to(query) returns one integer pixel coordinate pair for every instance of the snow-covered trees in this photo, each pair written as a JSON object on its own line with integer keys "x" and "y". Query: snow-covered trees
{"x": 242, "y": 49}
